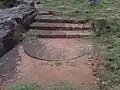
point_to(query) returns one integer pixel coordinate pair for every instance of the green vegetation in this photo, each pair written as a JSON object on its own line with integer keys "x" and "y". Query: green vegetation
{"x": 68, "y": 8}
{"x": 6, "y": 3}
{"x": 111, "y": 41}
{"x": 26, "y": 87}
{"x": 110, "y": 38}
{"x": 2, "y": 2}
{"x": 60, "y": 86}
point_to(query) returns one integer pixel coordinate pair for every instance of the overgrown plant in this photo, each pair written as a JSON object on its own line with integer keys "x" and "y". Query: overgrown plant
{"x": 111, "y": 42}
{"x": 4, "y": 3}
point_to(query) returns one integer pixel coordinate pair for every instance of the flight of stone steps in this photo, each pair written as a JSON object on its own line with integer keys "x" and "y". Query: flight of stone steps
{"x": 48, "y": 25}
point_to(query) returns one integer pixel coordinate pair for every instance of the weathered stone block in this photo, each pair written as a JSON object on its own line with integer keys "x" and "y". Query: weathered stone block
{"x": 10, "y": 21}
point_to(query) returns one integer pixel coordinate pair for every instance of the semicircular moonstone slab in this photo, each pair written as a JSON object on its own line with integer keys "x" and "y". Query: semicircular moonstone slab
{"x": 54, "y": 49}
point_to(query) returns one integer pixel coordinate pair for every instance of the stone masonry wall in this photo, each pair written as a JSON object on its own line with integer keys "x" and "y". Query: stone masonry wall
{"x": 11, "y": 20}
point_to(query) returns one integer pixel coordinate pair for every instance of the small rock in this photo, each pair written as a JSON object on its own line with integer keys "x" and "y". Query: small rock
{"x": 92, "y": 64}
{"x": 98, "y": 79}
{"x": 90, "y": 59}
{"x": 62, "y": 6}
{"x": 94, "y": 69}
{"x": 109, "y": 9}
{"x": 38, "y": 2}
{"x": 82, "y": 83}
{"x": 94, "y": 74}
{"x": 77, "y": 11}
{"x": 87, "y": 11}
{"x": 103, "y": 83}
{"x": 96, "y": 58}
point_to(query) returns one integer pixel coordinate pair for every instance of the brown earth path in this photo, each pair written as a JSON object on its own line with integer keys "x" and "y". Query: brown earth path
{"x": 63, "y": 52}
{"x": 78, "y": 71}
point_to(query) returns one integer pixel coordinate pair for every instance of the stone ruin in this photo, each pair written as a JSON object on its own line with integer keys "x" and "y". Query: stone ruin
{"x": 11, "y": 19}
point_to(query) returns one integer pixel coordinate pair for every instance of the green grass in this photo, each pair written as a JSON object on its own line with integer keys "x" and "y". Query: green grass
{"x": 68, "y": 8}
{"x": 26, "y": 87}
{"x": 111, "y": 41}
{"x": 60, "y": 86}
{"x": 2, "y": 2}
{"x": 5, "y": 3}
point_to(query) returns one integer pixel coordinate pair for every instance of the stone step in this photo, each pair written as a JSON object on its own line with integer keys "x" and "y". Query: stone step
{"x": 60, "y": 34}
{"x": 57, "y": 19}
{"x": 40, "y": 7}
{"x": 59, "y": 26}
{"x": 42, "y": 12}
{"x": 59, "y": 49}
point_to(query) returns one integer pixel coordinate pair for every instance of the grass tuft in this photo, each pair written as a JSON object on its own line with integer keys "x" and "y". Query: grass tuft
{"x": 60, "y": 86}
{"x": 26, "y": 87}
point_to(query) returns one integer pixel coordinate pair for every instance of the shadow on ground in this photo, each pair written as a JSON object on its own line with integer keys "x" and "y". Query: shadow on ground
{"x": 8, "y": 65}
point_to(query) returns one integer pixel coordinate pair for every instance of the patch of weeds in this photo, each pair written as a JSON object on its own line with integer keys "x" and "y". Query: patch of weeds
{"x": 26, "y": 87}
{"x": 59, "y": 86}
{"x": 68, "y": 86}
{"x": 6, "y": 3}
{"x": 28, "y": 35}
{"x": 2, "y": 3}
{"x": 111, "y": 42}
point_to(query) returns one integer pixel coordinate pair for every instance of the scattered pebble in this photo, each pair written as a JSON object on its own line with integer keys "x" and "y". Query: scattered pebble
{"x": 94, "y": 69}
{"x": 95, "y": 74}
{"x": 92, "y": 64}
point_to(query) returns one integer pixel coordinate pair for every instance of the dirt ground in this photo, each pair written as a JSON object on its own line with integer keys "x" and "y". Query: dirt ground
{"x": 78, "y": 71}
